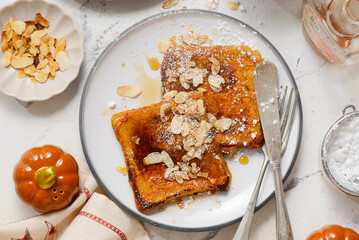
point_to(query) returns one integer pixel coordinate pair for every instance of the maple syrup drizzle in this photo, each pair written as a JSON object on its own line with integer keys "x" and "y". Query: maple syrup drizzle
{"x": 151, "y": 87}
{"x": 153, "y": 62}
{"x": 180, "y": 203}
{"x": 243, "y": 160}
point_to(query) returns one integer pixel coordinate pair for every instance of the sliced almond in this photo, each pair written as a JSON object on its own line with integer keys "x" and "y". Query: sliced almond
{"x": 25, "y": 41}
{"x": 21, "y": 74}
{"x": 9, "y": 34}
{"x": 34, "y": 50}
{"x": 18, "y": 44}
{"x": 30, "y": 22}
{"x": 22, "y": 50}
{"x": 53, "y": 73}
{"x": 36, "y": 40}
{"x": 21, "y": 62}
{"x": 52, "y": 41}
{"x": 6, "y": 58}
{"x": 223, "y": 124}
{"x": 128, "y": 91}
{"x": 3, "y": 36}
{"x": 41, "y": 20}
{"x": 176, "y": 123}
{"x": 181, "y": 97}
{"x": 46, "y": 70}
{"x": 40, "y": 76}
{"x": 30, "y": 69}
{"x": 152, "y": 158}
{"x": 169, "y": 95}
{"x": 18, "y": 26}
{"x": 60, "y": 44}
{"x": 46, "y": 39}
{"x": 37, "y": 35}
{"x": 56, "y": 66}
{"x": 63, "y": 61}
{"x": 122, "y": 170}
{"x": 215, "y": 82}
{"x": 163, "y": 46}
{"x": 166, "y": 159}
{"x": 15, "y": 38}
{"x": 4, "y": 45}
{"x": 52, "y": 50}
{"x": 29, "y": 29}
{"x": 215, "y": 66}
{"x": 6, "y": 26}
{"x": 43, "y": 49}
{"x": 42, "y": 64}
{"x": 211, "y": 119}
{"x": 164, "y": 108}
{"x": 50, "y": 61}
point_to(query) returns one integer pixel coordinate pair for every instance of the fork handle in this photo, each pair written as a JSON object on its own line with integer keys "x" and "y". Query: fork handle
{"x": 284, "y": 229}
{"x": 245, "y": 224}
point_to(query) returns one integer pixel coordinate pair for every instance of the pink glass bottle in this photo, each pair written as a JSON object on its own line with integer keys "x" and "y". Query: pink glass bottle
{"x": 332, "y": 29}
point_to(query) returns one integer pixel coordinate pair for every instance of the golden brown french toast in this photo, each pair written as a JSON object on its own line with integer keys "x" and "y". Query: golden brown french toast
{"x": 170, "y": 151}
{"x": 225, "y": 76}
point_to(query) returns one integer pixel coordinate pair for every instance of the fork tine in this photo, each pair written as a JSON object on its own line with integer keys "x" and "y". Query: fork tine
{"x": 282, "y": 95}
{"x": 290, "y": 124}
{"x": 286, "y": 113}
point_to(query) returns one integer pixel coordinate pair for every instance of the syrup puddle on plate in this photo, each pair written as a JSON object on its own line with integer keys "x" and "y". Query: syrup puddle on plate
{"x": 151, "y": 87}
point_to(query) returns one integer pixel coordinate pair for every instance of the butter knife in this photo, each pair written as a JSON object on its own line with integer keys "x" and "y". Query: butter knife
{"x": 266, "y": 86}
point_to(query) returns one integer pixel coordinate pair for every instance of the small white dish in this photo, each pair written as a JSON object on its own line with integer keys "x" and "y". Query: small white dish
{"x": 62, "y": 24}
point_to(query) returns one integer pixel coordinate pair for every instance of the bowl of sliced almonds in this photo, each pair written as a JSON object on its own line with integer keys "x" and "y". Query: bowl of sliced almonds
{"x": 41, "y": 50}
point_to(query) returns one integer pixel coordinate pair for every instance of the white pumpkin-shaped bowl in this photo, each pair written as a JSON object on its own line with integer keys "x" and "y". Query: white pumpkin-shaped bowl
{"x": 62, "y": 24}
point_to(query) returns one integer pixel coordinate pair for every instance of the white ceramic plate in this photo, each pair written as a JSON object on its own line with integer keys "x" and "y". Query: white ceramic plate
{"x": 120, "y": 64}
{"x": 62, "y": 24}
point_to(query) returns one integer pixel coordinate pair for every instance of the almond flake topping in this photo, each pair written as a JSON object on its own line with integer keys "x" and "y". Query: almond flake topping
{"x": 181, "y": 97}
{"x": 215, "y": 82}
{"x": 223, "y": 124}
{"x": 29, "y": 48}
{"x": 128, "y": 91}
{"x": 188, "y": 121}
{"x": 184, "y": 171}
{"x": 157, "y": 157}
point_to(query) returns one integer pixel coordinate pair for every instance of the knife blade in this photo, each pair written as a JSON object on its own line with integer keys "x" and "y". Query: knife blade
{"x": 266, "y": 87}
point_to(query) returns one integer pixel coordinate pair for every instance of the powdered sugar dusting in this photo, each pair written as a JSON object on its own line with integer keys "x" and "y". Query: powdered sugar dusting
{"x": 343, "y": 154}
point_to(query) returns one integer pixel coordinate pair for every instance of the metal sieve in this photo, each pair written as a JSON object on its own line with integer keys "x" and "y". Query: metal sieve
{"x": 349, "y": 112}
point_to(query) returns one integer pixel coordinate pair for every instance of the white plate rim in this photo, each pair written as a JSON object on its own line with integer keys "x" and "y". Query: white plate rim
{"x": 88, "y": 82}
{"x": 77, "y": 65}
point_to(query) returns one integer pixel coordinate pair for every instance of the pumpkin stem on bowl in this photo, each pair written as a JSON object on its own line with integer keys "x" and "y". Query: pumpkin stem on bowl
{"x": 45, "y": 177}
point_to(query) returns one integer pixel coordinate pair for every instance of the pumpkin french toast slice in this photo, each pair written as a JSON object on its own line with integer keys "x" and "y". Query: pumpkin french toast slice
{"x": 170, "y": 150}
{"x": 225, "y": 76}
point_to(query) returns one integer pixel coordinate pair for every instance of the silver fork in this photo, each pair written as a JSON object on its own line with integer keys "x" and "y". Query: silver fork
{"x": 243, "y": 231}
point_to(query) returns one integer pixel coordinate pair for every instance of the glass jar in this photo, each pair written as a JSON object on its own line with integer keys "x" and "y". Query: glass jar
{"x": 332, "y": 29}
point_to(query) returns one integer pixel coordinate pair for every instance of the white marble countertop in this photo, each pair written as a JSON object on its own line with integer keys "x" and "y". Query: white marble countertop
{"x": 324, "y": 88}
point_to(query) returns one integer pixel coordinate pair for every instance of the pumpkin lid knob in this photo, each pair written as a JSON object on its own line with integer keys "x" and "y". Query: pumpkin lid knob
{"x": 45, "y": 177}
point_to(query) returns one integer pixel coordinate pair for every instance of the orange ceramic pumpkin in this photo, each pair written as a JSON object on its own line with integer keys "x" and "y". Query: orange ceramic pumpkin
{"x": 46, "y": 178}
{"x": 334, "y": 232}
